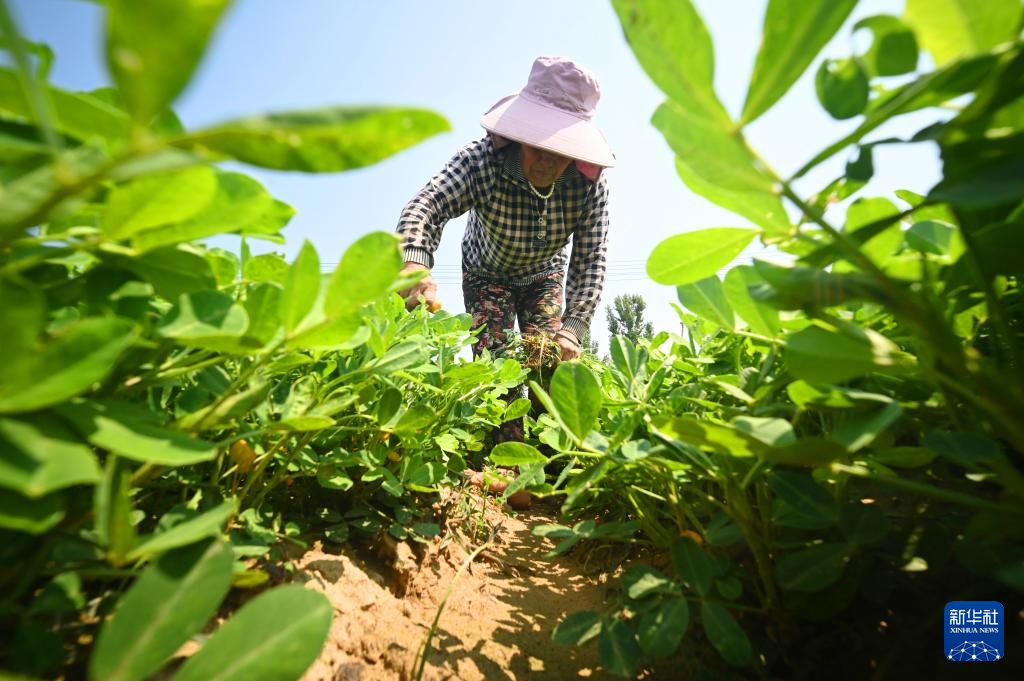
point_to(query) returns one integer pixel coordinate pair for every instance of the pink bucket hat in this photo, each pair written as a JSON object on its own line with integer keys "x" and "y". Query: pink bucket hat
{"x": 554, "y": 112}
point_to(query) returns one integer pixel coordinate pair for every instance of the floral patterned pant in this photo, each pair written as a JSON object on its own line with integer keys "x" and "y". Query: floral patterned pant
{"x": 496, "y": 306}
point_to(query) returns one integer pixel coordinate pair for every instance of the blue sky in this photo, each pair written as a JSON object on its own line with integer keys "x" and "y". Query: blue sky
{"x": 458, "y": 57}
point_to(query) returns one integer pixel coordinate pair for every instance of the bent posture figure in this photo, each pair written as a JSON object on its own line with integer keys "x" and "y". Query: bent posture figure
{"x": 529, "y": 186}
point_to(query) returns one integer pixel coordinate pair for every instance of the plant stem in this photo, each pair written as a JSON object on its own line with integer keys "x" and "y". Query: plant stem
{"x": 929, "y": 490}
{"x": 257, "y": 474}
{"x": 282, "y": 469}
{"x": 237, "y": 383}
{"x": 421, "y": 657}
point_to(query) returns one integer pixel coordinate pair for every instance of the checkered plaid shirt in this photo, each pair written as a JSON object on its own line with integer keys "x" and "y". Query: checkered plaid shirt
{"x": 505, "y": 238}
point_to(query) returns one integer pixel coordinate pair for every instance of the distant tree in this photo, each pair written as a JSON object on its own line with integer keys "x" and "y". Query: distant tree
{"x": 588, "y": 343}
{"x": 626, "y": 317}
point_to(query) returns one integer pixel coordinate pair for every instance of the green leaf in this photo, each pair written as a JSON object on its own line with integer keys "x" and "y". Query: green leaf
{"x": 812, "y": 569}
{"x": 224, "y": 264}
{"x": 263, "y": 308}
{"x": 35, "y": 516}
{"x": 793, "y": 288}
{"x": 203, "y": 314}
{"x": 63, "y": 594}
{"x": 113, "y": 510}
{"x": 984, "y": 172}
{"x": 405, "y": 355}
{"x": 388, "y": 405}
{"x": 318, "y": 332}
{"x": 210, "y": 523}
{"x": 863, "y": 524}
{"x": 904, "y": 457}
{"x": 762, "y": 208}
{"x": 578, "y": 628}
{"x": 78, "y": 114}
{"x": 730, "y": 588}
{"x": 19, "y": 145}
{"x": 706, "y": 298}
{"x": 807, "y": 451}
{"x": 154, "y": 47}
{"x": 23, "y": 319}
{"x": 878, "y": 245}
{"x": 416, "y": 419}
{"x": 365, "y": 272}
{"x": 692, "y": 256}
{"x": 238, "y": 201}
{"x": 270, "y": 222}
{"x": 301, "y": 287}
{"x": 576, "y": 396}
{"x": 135, "y": 433}
{"x": 266, "y": 267}
{"x": 274, "y": 637}
{"x": 82, "y": 354}
{"x": 330, "y": 477}
{"x": 771, "y": 431}
{"x": 950, "y": 29}
{"x": 859, "y": 430}
{"x": 39, "y": 455}
{"x": 726, "y": 635}
{"x": 662, "y": 629}
{"x": 625, "y": 357}
{"x": 805, "y": 395}
{"x": 516, "y": 454}
{"x": 716, "y": 163}
{"x": 794, "y": 32}
{"x": 322, "y": 140}
{"x": 174, "y": 271}
{"x": 842, "y": 87}
{"x": 517, "y": 409}
{"x": 674, "y": 47}
{"x": 302, "y": 424}
{"x": 170, "y": 602}
{"x": 805, "y": 496}
{"x": 617, "y": 649}
{"x": 31, "y": 198}
{"x": 761, "y": 318}
{"x": 930, "y": 236}
{"x": 893, "y": 50}
{"x": 821, "y": 355}
{"x": 692, "y": 565}
{"x": 964, "y": 449}
{"x": 641, "y": 581}
{"x": 721, "y": 439}
{"x": 931, "y": 89}
{"x": 585, "y": 483}
{"x": 157, "y": 200}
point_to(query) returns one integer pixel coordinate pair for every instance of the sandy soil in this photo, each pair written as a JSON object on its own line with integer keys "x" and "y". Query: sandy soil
{"x": 496, "y": 625}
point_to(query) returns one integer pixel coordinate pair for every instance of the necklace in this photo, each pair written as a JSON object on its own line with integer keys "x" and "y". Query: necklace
{"x": 544, "y": 206}
{"x": 536, "y": 192}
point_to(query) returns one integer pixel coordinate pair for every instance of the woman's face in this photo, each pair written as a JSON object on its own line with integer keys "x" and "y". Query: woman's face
{"x": 542, "y": 167}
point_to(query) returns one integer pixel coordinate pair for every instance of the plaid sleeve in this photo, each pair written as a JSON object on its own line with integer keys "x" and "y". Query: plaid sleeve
{"x": 585, "y": 280}
{"x": 453, "y": 191}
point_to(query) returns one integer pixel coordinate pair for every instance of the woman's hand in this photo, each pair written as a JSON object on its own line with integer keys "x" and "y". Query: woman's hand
{"x": 568, "y": 343}
{"x": 425, "y": 287}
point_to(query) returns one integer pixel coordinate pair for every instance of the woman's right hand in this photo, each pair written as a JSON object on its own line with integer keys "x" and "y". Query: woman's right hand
{"x": 425, "y": 287}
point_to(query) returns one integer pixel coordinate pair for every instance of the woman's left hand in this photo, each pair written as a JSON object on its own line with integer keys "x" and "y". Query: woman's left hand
{"x": 569, "y": 345}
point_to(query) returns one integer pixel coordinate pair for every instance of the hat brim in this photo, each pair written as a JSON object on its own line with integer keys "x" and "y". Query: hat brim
{"x": 522, "y": 120}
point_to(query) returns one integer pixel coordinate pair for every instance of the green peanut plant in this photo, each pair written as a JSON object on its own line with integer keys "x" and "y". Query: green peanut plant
{"x": 170, "y": 413}
{"x": 836, "y": 436}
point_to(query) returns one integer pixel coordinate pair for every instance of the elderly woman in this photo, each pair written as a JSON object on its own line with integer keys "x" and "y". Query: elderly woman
{"x": 532, "y": 183}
